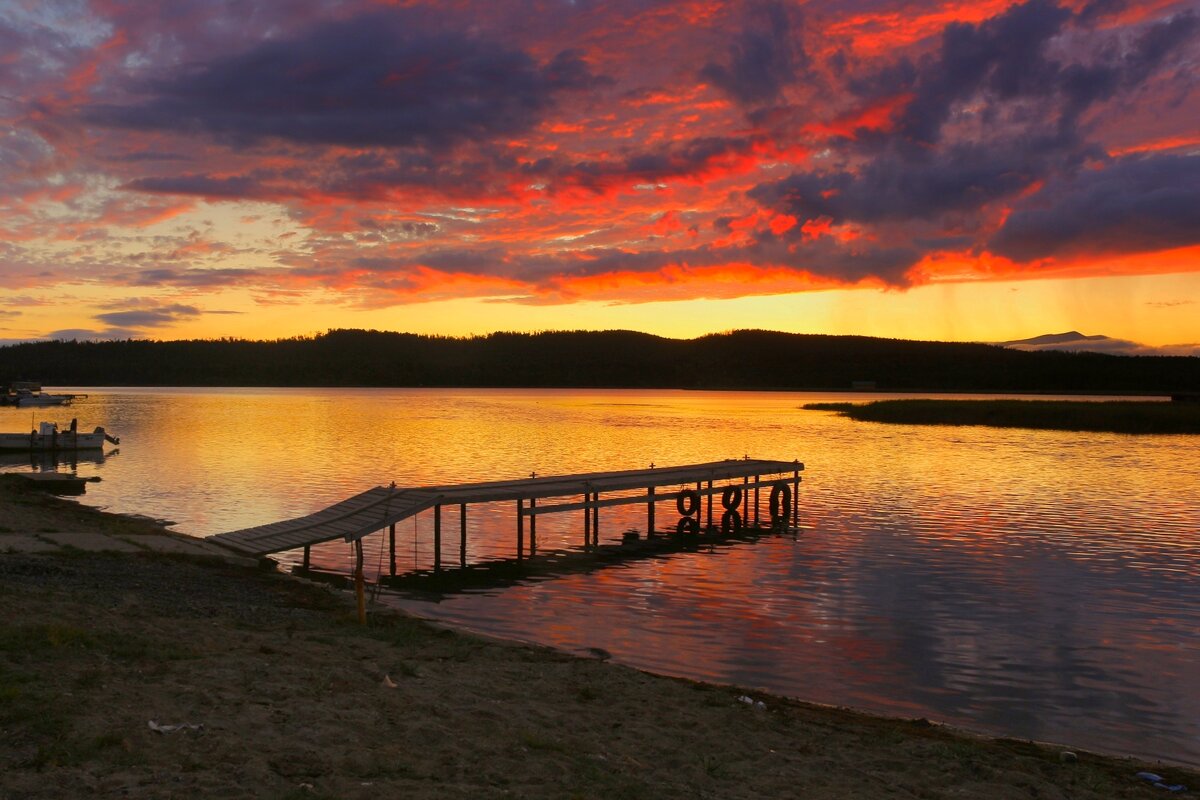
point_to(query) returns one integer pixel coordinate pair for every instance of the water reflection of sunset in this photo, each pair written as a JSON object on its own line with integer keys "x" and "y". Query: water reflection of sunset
{"x": 1033, "y": 583}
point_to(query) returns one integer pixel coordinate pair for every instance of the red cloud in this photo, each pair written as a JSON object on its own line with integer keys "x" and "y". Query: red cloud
{"x": 416, "y": 156}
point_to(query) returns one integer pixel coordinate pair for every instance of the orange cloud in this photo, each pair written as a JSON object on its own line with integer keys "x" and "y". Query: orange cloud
{"x": 876, "y": 117}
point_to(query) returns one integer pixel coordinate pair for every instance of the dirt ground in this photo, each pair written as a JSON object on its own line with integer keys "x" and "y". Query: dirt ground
{"x": 291, "y": 698}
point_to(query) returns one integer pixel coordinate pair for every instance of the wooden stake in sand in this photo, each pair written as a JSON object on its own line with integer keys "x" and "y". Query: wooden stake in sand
{"x": 359, "y": 594}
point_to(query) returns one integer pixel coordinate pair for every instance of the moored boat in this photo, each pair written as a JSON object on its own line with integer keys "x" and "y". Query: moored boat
{"x": 28, "y": 394}
{"x": 49, "y": 437}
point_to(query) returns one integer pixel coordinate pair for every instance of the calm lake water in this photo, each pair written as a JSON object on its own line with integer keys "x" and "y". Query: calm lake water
{"x": 1033, "y": 584}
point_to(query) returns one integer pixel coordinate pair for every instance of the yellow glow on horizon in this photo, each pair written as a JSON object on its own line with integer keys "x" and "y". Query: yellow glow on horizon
{"x": 1151, "y": 309}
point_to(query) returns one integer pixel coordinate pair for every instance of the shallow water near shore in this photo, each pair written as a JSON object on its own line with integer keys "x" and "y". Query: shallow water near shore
{"x": 1034, "y": 584}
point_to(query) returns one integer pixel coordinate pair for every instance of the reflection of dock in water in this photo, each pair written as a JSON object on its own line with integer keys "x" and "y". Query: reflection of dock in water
{"x": 502, "y": 573}
{"x": 694, "y": 488}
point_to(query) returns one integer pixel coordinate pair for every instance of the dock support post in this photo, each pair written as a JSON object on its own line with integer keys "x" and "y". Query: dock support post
{"x": 462, "y": 535}
{"x": 520, "y": 529}
{"x": 796, "y": 499}
{"x": 596, "y": 519}
{"x": 710, "y": 502}
{"x": 437, "y": 538}
{"x": 756, "y": 482}
{"x": 360, "y": 596}
{"x": 392, "y": 547}
{"x": 307, "y": 554}
{"x": 587, "y": 519}
{"x": 650, "y": 513}
{"x": 533, "y": 526}
{"x": 746, "y": 502}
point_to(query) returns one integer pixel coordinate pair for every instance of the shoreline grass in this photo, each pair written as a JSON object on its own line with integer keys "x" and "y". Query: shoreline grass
{"x": 1117, "y": 416}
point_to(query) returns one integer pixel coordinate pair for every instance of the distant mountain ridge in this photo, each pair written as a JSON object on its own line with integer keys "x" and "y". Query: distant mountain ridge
{"x": 1098, "y": 343}
{"x": 748, "y": 359}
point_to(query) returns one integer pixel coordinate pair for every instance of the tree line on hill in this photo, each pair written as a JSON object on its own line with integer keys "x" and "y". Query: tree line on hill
{"x": 747, "y": 359}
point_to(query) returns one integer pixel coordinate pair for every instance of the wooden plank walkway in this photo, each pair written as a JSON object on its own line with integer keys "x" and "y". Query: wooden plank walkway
{"x": 378, "y": 508}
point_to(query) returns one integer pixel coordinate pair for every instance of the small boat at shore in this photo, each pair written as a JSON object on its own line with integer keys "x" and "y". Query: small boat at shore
{"x": 29, "y": 394}
{"x": 49, "y": 438}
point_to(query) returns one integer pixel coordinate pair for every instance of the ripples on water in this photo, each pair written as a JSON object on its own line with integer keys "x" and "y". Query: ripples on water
{"x": 1030, "y": 583}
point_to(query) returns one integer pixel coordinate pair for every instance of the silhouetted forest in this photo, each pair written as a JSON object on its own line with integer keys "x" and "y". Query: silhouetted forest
{"x": 748, "y": 359}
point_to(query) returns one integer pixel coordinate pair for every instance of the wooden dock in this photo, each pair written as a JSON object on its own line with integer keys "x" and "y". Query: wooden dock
{"x": 694, "y": 488}
{"x": 383, "y": 506}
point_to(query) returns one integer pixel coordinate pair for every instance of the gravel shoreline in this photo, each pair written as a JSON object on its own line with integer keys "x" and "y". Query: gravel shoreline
{"x": 296, "y": 700}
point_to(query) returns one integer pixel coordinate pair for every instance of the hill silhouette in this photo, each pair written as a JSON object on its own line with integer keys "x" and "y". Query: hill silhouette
{"x": 746, "y": 359}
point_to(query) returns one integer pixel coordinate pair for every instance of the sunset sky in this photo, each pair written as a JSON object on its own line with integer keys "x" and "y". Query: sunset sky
{"x": 976, "y": 171}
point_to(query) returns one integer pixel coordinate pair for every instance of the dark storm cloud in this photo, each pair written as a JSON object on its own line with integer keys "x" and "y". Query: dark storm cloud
{"x": 1006, "y": 59}
{"x": 1157, "y": 43}
{"x": 1004, "y": 55}
{"x": 202, "y": 185}
{"x": 1133, "y": 205}
{"x": 85, "y": 334}
{"x": 149, "y": 318}
{"x": 1100, "y": 9}
{"x": 689, "y": 158}
{"x": 380, "y": 79}
{"x": 900, "y": 186}
{"x": 825, "y": 257}
{"x": 762, "y": 60}
{"x": 1021, "y": 129}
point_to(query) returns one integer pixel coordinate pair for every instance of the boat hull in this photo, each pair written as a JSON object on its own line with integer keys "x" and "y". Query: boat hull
{"x": 38, "y": 400}
{"x": 27, "y": 442}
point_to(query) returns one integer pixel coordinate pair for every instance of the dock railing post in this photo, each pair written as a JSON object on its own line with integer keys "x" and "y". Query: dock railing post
{"x": 596, "y": 518}
{"x": 710, "y": 502}
{"x": 437, "y": 538}
{"x": 462, "y": 535}
{"x": 756, "y": 503}
{"x": 587, "y": 519}
{"x": 520, "y": 529}
{"x": 533, "y": 526}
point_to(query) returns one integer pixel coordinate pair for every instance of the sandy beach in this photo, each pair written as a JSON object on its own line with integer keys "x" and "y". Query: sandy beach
{"x": 278, "y": 692}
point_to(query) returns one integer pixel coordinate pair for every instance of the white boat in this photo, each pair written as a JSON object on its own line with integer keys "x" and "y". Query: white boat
{"x": 28, "y": 394}
{"x": 49, "y": 437}
{"x": 32, "y": 399}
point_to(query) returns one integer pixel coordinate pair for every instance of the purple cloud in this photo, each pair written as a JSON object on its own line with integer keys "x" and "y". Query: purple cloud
{"x": 379, "y": 79}
{"x": 1132, "y": 205}
{"x": 764, "y": 58}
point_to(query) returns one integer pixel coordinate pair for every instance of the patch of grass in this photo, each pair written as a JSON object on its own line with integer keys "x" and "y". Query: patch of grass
{"x": 38, "y": 639}
{"x": 30, "y": 716}
{"x": 1118, "y": 416}
{"x": 536, "y": 741}
{"x": 592, "y": 777}
{"x": 396, "y": 631}
{"x": 89, "y": 679}
{"x": 47, "y": 641}
{"x": 304, "y": 793}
